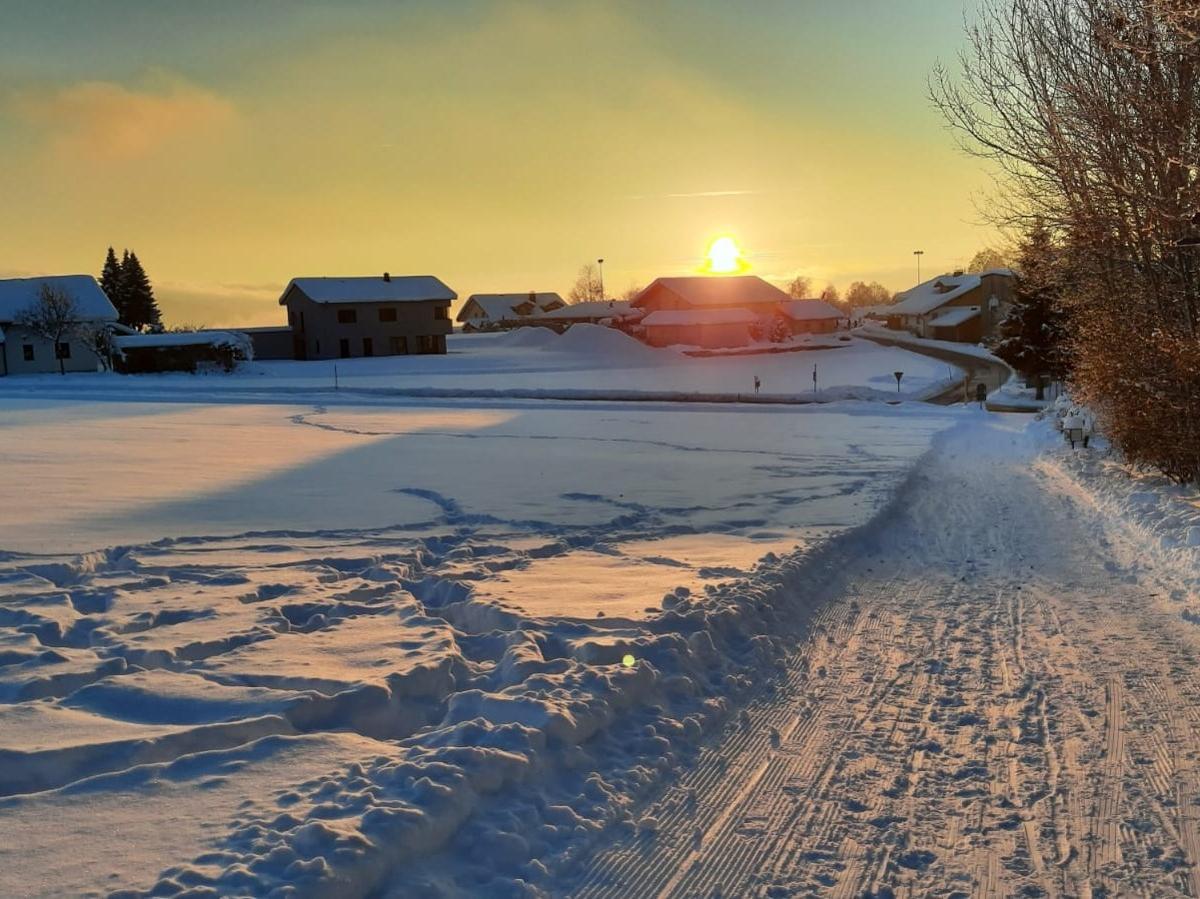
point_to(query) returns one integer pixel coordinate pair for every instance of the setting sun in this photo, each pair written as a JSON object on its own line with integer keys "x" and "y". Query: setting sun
{"x": 724, "y": 257}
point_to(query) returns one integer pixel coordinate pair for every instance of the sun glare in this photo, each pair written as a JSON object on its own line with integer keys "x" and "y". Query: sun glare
{"x": 724, "y": 257}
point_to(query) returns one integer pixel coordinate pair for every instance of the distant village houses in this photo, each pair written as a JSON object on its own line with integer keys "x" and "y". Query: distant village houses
{"x": 960, "y": 307}
{"x": 614, "y": 313}
{"x": 24, "y": 351}
{"x": 497, "y": 311}
{"x": 341, "y": 318}
{"x": 715, "y": 312}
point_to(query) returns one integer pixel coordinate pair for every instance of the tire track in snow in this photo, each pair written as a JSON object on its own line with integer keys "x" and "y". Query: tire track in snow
{"x": 1008, "y": 715}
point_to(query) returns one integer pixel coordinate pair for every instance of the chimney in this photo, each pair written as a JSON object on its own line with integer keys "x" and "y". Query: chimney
{"x": 387, "y": 277}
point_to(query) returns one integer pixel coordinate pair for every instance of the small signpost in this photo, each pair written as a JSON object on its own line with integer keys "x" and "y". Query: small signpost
{"x": 981, "y": 394}
{"x": 898, "y": 375}
{"x": 814, "y": 377}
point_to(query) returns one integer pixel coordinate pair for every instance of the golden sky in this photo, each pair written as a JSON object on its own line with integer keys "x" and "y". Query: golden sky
{"x": 498, "y": 145}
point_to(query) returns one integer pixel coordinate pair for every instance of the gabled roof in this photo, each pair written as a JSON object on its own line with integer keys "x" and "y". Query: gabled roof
{"x": 710, "y": 316}
{"x": 712, "y": 291}
{"x": 933, "y": 293}
{"x": 810, "y": 310}
{"x": 396, "y": 289}
{"x": 19, "y": 294}
{"x": 590, "y": 309}
{"x": 500, "y": 306}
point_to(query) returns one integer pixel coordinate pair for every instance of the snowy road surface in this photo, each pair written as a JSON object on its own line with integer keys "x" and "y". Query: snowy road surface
{"x": 995, "y": 699}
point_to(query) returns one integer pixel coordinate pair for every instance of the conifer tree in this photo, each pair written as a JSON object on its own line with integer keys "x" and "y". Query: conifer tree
{"x": 110, "y": 282}
{"x": 1033, "y": 334}
{"x": 138, "y": 294}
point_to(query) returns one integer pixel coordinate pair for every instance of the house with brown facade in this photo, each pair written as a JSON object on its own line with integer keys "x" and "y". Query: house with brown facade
{"x": 340, "y": 318}
{"x": 961, "y": 307}
{"x": 712, "y": 312}
{"x": 811, "y": 316}
{"x": 707, "y": 311}
{"x": 498, "y": 311}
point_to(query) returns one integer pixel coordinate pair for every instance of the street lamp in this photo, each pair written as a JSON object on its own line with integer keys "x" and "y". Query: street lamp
{"x": 918, "y": 254}
{"x": 600, "y": 262}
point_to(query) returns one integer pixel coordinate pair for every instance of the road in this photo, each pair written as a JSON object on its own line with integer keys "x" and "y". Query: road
{"x": 992, "y": 374}
{"x": 995, "y": 699}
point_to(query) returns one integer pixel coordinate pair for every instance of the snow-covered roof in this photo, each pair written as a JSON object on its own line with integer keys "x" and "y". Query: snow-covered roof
{"x": 700, "y": 317}
{"x": 592, "y": 309}
{"x": 500, "y": 306}
{"x": 1003, "y": 272}
{"x": 809, "y": 310}
{"x": 181, "y": 338}
{"x": 395, "y": 289}
{"x": 933, "y": 293}
{"x": 954, "y": 316}
{"x": 19, "y": 294}
{"x": 731, "y": 291}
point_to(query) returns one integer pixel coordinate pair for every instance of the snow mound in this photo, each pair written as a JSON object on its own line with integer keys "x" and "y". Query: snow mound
{"x": 528, "y": 338}
{"x": 598, "y": 340}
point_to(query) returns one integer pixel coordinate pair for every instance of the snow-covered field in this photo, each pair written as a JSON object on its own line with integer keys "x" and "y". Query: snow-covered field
{"x": 587, "y": 361}
{"x": 249, "y": 641}
{"x": 260, "y": 638}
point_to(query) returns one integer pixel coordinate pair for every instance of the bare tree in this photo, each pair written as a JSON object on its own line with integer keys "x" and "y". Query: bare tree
{"x": 988, "y": 258}
{"x": 632, "y": 291}
{"x": 54, "y": 316}
{"x": 99, "y": 339}
{"x": 587, "y": 286}
{"x": 1090, "y": 110}
{"x": 800, "y": 287}
{"x": 862, "y": 294}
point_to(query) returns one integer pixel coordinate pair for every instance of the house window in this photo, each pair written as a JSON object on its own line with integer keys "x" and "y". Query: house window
{"x": 441, "y": 313}
{"x": 62, "y": 350}
{"x": 387, "y": 314}
{"x": 344, "y": 348}
{"x": 426, "y": 343}
{"x": 399, "y": 346}
{"x": 27, "y": 351}
{"x": 347, "y": 316}
{"x": 301, "y": 319}
{"x": 368, "y": 347}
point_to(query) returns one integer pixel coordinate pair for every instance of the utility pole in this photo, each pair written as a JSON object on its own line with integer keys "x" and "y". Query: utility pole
{"x": 600, "y": 262}
{"x": 918, "y": 254}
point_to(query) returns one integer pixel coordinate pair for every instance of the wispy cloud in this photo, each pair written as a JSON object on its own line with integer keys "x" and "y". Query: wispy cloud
{"x": 108, "y": 121}
{"x": 700, "y": 194}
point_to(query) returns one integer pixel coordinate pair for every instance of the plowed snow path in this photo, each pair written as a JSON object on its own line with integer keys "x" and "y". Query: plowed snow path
{"x": 993, "y": 702}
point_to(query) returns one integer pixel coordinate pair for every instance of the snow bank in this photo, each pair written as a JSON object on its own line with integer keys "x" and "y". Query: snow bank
{"x": 903, "y": 338}
{"x": 1162, "y": 517}
{"x": 610, "y": 344}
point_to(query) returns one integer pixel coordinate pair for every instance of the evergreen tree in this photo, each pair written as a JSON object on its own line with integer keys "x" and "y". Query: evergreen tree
{"x": 141, "y": 308}
{"x": 1033, "y": 334}
{"x": 110, "y": 282}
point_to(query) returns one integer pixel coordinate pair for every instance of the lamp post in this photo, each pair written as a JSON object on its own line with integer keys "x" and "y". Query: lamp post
{"x": 918, "y": 254}
{"x": 600, "y": 262}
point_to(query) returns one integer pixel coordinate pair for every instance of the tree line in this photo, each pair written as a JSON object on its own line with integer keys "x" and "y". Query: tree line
{"x": 1090, "y": 112}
